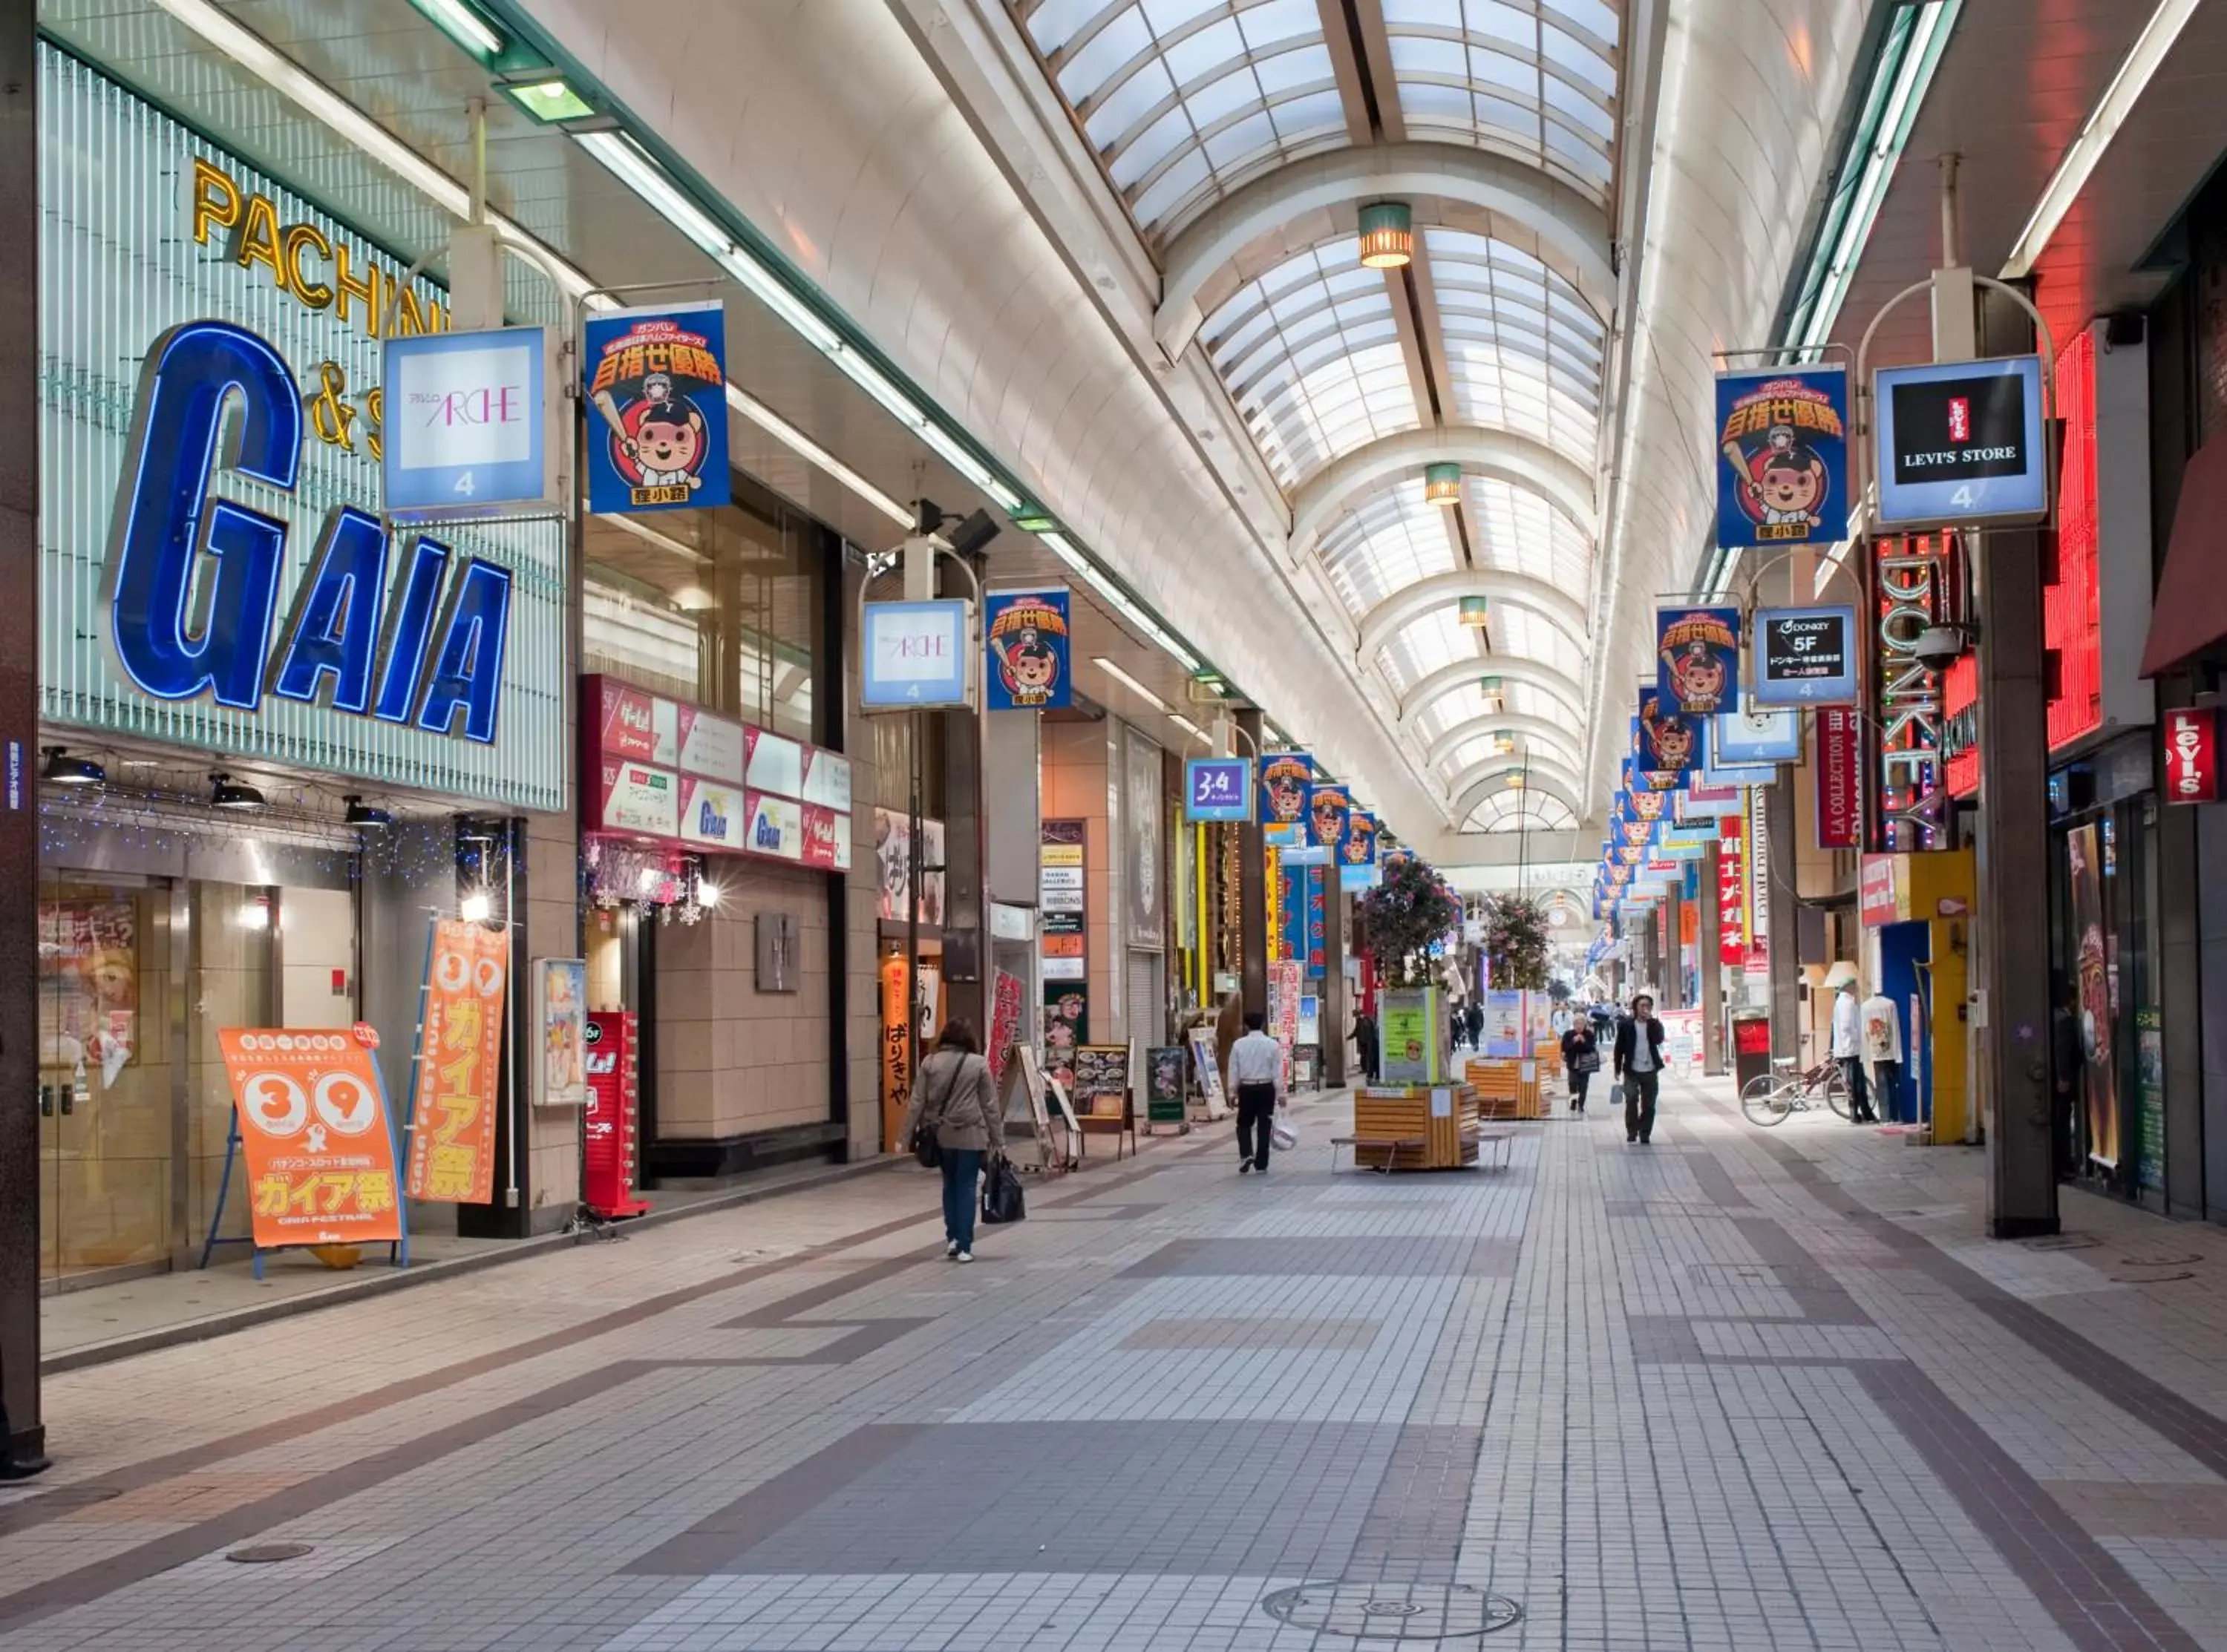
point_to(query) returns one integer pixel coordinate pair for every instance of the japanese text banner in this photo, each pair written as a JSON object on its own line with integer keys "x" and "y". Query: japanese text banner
{"x": 314, "y": 1132}
{"x": 455, "y": 1091}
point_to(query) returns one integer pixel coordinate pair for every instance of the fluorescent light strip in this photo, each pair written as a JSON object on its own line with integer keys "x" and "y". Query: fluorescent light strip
{"x": 1059, "y": 546}
{"x": 1913, "y": 75}
{"x": 462, "y": 25}
{"x": 1131, "y": 685}
{"x": 649, "y": 535}
{"x": 252, "y": 52}
{"x": 2103, "y": 125}
{"x": 1189, "y": 727}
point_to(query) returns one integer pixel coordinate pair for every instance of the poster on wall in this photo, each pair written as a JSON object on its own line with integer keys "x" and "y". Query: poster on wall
{"x": 2095, "y": 990}
{"x": 1144, "y": 855}
{"x": 1697, "y": 654}
{"x": 1783, "y": 444}
{"x": 893, "y": 865}
{"x": 1062, "y": 929}
{"x": 456, "y": 1091}
{"x": 315, "y": 1134}
{"x": 656, "y": 385}
{"x": 560, "y": 997}
{"x": 1005, "y": 1021}
{"x": 1026, "y": 634}
{"x": 2149, "y": 1070}
{"x": 88, "y": 985}
{"x": 1066, "y": 1028}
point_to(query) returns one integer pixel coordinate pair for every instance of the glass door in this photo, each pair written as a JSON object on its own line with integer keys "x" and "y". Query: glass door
{"x": 106, "y": 1107}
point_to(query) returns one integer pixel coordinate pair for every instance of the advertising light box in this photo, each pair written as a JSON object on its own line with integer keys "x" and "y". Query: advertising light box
{"x": 1960, "y": 442}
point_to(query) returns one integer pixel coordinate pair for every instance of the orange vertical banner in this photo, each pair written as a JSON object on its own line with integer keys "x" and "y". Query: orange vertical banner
{"x": 456, "y": 1093}
{"x": 314, "y": 1131}
{"x": 896, "y": 1050}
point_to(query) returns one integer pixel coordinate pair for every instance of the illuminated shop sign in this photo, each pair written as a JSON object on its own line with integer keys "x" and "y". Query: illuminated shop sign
{"x": 213, "y": 572}
{"x": 1960, "y": 442}
{"x": 425, "y": 650}
{"x": 1910, "y": 774}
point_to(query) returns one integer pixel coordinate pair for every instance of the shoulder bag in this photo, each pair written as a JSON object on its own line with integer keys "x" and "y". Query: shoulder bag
{"x": 926, "y": 1151}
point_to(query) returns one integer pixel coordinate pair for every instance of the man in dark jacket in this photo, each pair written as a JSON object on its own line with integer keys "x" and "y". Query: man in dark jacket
{"x": 1639, "y": 1068}
{"x": 1364, "y": 1043}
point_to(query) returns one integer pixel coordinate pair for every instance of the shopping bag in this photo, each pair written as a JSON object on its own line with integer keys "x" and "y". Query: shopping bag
{"x": 1285, "y": 1134}
{"x": 1615, "y": 1096}
{"x": 1002, "y": 1198}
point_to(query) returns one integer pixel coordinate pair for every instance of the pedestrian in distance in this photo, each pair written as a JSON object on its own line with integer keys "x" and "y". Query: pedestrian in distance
{"x": 1639, "y": 1069}
{"x": 1848, "y": 1050}
{"x": 1476, "y": 1026}
{"x": 954, "y": 1098}
{"x": 1364, "y": 1043}
{"x": 1256, "y": 1070}
{"x": 1580, "y": 1059}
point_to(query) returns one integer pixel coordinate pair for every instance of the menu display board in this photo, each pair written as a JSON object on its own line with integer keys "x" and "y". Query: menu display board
{"x": 1102, "y": 1077}
{"x": 679, "y": 773}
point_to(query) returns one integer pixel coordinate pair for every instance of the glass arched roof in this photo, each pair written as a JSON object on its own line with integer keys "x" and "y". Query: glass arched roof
{"x": 1524, "y": 350}
{"x": 1467, "y": 703}
{"x": 1533, "y": 78}
{"x": 1514, "y": 811}
{"x": 1522, "y": 532}
{"x": 1311, "y": 353}
{"x": 1484, "y": 746}
{"x": 1185, "y": 99}
{"x": 1388, "y": 540}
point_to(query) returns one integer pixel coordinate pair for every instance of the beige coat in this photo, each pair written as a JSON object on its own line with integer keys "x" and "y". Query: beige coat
{"x": 971, "y": 1119}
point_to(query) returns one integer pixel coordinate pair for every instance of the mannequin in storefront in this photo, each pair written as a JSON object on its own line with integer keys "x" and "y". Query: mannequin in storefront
{"x": 1882, "y": 1047}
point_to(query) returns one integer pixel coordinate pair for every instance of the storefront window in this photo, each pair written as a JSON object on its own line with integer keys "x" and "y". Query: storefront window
{"x": 718, "y": 607}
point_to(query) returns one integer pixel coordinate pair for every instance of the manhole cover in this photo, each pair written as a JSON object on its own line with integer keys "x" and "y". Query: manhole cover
{"x": 1391, "y": 1611}
{"x": 2159, "y": 1262}
{"x": 2150, "y": 1279}
{"x": 264, "y": 1553}
{"x": 2062, "y": 1243}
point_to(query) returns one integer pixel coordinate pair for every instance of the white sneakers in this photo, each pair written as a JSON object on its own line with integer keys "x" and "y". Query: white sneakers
{"x": 964, "y": 1256}
{"x": 951, "y": 1249}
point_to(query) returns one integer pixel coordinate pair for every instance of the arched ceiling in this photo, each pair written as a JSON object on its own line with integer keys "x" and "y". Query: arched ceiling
{"x": 1244, "y": 137}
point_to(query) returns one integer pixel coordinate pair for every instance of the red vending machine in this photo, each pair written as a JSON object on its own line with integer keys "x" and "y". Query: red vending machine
{"x": 614, "y": 1107}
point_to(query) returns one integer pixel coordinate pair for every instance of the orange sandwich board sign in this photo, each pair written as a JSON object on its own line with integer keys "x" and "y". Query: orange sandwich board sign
{"x": 315, "y": 1133}
{"x": 454, "y": 1093}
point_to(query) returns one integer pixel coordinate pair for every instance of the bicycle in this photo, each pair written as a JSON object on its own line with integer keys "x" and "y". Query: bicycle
{"x": 1769, "y": 1097}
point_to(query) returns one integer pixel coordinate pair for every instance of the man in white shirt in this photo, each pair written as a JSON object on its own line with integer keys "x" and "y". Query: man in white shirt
{"x": 1882, "y": 1036}
{"x": 1848, "y": 1050}
{"x": 1256, "y": 1073}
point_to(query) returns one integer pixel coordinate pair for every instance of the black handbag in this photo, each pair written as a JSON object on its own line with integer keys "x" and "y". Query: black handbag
{"x": 1002, "y": 1198}
{"x": 926, "y": 1151}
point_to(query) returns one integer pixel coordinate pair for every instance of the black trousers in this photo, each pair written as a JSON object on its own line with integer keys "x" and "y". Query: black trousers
{"x": 1256, "y": 1113}
{"x": 1860, "y": 1089}
{"x": 1639, "y": 1094}
{"x": 1578, "y": 1080}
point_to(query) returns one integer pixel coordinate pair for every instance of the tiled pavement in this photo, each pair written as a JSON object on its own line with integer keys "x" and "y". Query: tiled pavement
{"x": 1740, "y": 1389}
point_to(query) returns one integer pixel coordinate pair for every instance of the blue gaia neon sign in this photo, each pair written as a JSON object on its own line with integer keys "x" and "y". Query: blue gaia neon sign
{"x": 191, "y": 583}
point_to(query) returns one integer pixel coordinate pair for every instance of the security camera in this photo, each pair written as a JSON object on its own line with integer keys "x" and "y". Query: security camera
{"x": 1940, "y": 647}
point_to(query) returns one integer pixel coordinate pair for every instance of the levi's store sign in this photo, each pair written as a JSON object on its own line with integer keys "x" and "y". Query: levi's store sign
{"x": 676, "y": 773}
{"x": 2191, "y": 755}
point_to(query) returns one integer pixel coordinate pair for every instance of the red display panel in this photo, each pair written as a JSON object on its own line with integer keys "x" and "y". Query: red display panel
{"x": 614, "y": 1115}
{"x": 2071, "y": 611}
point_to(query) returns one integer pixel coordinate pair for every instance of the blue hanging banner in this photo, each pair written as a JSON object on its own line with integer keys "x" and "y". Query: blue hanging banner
{"x": 1287, "y": 778}
{"x": 1756, "y": 737}
{"x": 1670, "y": 741}
{"x": 1697, "y": 652}
{"x": 656, "y": 383}
{"x": 1330, "y": 808}
{"x": 1027, "y": 636}
{"x": 1783, "y": 456}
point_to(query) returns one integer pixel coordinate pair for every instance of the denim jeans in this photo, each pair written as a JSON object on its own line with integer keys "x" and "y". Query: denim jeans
{"x": 962, "y": 1176}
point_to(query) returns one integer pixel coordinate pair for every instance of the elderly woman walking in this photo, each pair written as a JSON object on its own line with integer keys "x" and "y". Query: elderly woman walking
{"x": 955, "y": 1101}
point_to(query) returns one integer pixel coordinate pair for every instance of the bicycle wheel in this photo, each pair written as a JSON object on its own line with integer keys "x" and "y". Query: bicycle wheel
{"x": 1836, "y": 1091}
{"x": 1766, "y": 1101}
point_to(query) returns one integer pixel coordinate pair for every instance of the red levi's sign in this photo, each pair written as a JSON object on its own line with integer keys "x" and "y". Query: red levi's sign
{"x": 1839, "y": 778}
{"x": 2192, "y": 755}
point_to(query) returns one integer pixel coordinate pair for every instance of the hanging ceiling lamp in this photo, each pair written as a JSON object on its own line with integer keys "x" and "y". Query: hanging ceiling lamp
{"x": 1388, "y": 235}
{"x": 1442, "y": 483}
{"x": 225, "y": 792}
{"x": 60, "y": 768}
{"x": 1476, "y": 611}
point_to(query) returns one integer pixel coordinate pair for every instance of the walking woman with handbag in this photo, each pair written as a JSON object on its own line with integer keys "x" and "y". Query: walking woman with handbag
{"x": 954, "y": 1122}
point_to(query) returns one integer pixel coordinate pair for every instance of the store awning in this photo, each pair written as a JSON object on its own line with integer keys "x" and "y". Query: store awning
{"x": 2190, "y": 611}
